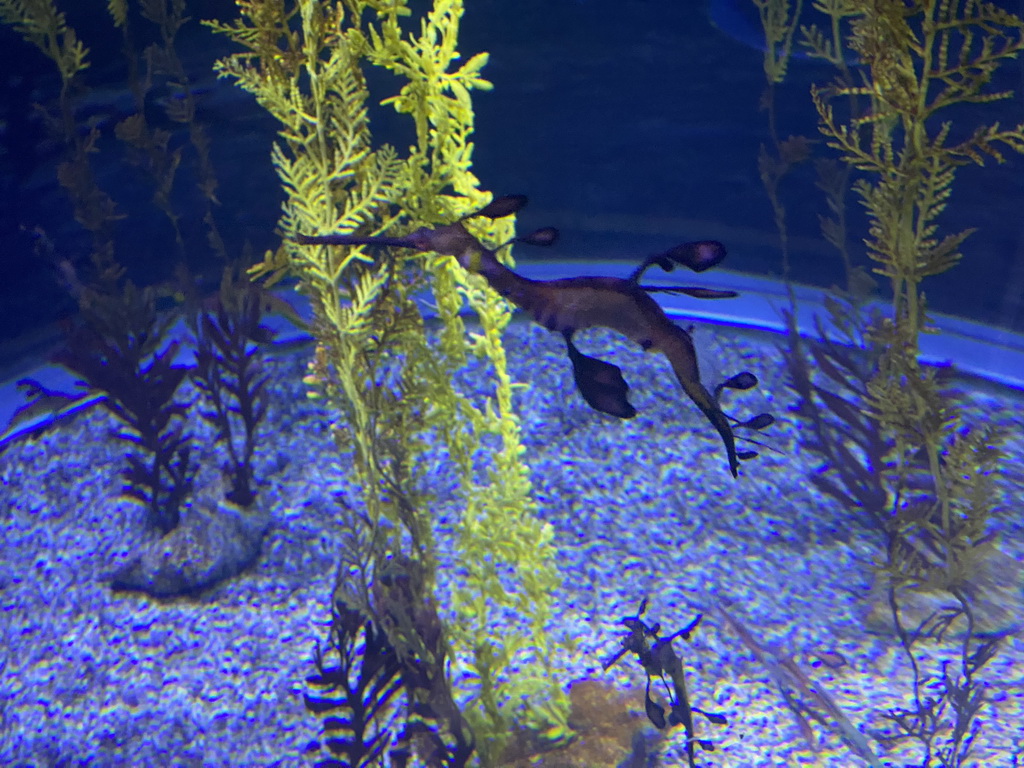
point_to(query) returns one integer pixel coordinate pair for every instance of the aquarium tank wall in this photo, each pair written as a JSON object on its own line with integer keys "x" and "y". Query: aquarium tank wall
{"x": 449, "y": 383}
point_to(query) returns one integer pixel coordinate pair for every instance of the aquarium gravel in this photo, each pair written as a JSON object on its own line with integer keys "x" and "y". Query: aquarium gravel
{"x": 643, "y": 508}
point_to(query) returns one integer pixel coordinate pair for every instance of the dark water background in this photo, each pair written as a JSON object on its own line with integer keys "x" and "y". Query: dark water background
{"x": 631, "y": 125}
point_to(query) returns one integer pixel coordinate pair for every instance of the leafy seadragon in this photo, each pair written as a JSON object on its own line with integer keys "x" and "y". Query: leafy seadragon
{"x": 572, "y": 304}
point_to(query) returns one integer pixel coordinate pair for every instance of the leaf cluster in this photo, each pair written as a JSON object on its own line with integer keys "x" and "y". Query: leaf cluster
{"x": 40, "y": 23}
{"x": 779, "y": 22}
{"x": 828, "y": 44}
{"x": 159, "y": 69}
{"x": 892, "y": 433}
{"x": 93, "y": 208}
{"x": 921, "y": 58}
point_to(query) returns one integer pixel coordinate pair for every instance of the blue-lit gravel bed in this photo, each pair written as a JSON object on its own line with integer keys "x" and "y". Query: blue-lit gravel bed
{"x": 641, "y": 508}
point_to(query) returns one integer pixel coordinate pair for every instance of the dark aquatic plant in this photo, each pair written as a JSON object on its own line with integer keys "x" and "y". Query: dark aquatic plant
{"x": 574, "y": 304}
{"x": 357, "y": 689}
{"x": 945, "y": 707}
{"x": 658, "y": 659}
{"x": 435, "y": 728}
{"x": 390, "y": 655}
{"x": 229, "y": 372}
{"x": 121, "y": 348}
{"x": 830, "y": 375}
{"x": 894, "y": 436}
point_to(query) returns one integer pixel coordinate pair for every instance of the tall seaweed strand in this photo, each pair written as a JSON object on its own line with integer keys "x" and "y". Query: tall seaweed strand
{"x": 389, "y": 388}
{"x": 919, "y": 64}
{"x": 934, "y": 467}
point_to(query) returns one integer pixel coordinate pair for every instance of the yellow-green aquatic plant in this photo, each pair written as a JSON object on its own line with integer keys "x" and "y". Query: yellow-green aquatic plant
{"x": 921, "y": 60}
{"x": 925, "y": 472}
{"x": 390, "y": 388}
